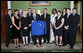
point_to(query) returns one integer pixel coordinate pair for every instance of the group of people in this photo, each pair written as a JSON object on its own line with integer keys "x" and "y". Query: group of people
{"x": 20, "y": 25}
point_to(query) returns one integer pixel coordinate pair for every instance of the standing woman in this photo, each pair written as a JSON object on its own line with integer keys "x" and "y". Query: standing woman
{"x": 16, "y": 28}
{"x": 64, "y": 14}
{"x": 52, "y": 32}
{"x": 24, "y": 24}
{"x": 59, "y": 27}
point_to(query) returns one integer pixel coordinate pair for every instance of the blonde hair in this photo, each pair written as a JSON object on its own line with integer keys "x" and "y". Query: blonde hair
{"x": 24, "y": 13}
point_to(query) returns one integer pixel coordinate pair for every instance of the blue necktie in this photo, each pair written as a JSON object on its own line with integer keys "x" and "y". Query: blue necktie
{"x": 10, "y": 15}
{"x": 21, "y": 15}
{"x": 73, "y": 14}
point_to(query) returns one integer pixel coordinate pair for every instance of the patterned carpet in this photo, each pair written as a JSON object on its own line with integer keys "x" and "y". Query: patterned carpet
{"x": 50, "y": 47}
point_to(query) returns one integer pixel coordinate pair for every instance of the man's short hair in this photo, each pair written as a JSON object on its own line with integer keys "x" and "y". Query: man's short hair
{"x": 45, "y": 8}
{"x": 9, "y": 9}
{"x": 68, "y": 9}
{"x": 29, "y": 8}
{"x": 74, "y": 8}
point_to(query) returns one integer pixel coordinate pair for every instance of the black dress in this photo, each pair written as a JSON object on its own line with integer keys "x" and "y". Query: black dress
{"x": 58, "y": 32}
{"x": 24, "y": 23}
{"x": 15, "y": 32}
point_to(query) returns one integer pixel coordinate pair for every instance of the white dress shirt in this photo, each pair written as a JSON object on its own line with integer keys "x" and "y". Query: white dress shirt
{"x": 53, "y": 18}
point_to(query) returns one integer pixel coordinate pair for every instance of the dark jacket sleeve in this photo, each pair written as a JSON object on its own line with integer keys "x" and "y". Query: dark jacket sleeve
{"x": 37, "y": 17}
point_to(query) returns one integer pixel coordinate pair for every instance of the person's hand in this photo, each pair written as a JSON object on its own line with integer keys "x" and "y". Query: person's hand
{"x": 10, "y": 26}
{"x": 25, "y": 28}
{"x": 56, "y": 28}
{"x": 18, "y": 28}
{"x": 29, "y": 25}
{"x": 66, "y": 27}
{"x": 32, "y": 21}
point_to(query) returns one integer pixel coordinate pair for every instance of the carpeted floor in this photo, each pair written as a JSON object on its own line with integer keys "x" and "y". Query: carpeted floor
{"x": 50, "y": 47}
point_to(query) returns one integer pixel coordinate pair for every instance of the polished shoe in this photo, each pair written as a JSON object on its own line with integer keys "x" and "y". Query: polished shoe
{"x": 37, "y": 45}
{"x": 27, "y": 44}
{"x": 71, "y": 47}
{"x": 7, "y": 45}
{"x": 18, "y": 45}
{"x": 47, "y": 42}
{"x": 44, "y": 42}
{"x": 64, "y": 44}
{"x": 15, "y": 47}
{"x": 41, "y": 45}
{"x": 24, "y": 44}
{"x": 60, "y": 44}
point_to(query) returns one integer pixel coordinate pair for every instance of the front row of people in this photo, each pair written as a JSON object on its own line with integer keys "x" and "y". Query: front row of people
{"x": 64, "y": 26}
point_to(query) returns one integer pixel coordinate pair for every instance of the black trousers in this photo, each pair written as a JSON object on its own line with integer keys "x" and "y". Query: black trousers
{"x": 34, "y": 38}
{"x": 8, "y": 36}
{"x": 29, "y": 34}
{"x": 70, "y": 37}
{"x": 47, "y": 36}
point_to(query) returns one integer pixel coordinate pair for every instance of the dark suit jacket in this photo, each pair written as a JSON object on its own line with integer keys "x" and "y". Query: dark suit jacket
{"x": 19, "y": 15}
{"x": 47, "y": 19}
{"x": 68, "y": 20}
{"x": 30, "y": 18}
{"x": 37, "y": 17}
{"x": 75, "y": 21}
{"x": 8, "y": 22}
{"x": 64, "y": 16}
{"x": 72, "y": 21}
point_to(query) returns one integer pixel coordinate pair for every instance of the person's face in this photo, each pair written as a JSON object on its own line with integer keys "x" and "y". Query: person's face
{"x": 64, "y": 11}
{"x": 68, "y": 11}
{"x": 24, "y": 12}
{"x": 45, "y": 11}
{"x": 54, "y": 11}
{"x": 20, "y": 11}
{"x": 16, "y": 12}
{"x": 74, "y": 10}
{"x": 58, "y": 13}
{"x": 9, "y": 12}
{"x": 33, "y": 11}
{"x": 29, "y": 10}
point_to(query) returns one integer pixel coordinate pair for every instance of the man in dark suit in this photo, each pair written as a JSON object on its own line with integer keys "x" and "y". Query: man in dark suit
{"x": 30, "y": 18}
{"x": 66, "y": 26}
{"x": 74, "y": 23}
{"x": 35, "y": 17}
{"x": 20, "y": 13}
{"x": 8, "y": 26}
{"x": 46, "y": 17}
{"x": 71, "y": 24}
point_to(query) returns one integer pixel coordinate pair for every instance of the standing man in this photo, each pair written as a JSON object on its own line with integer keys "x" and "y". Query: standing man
{"x": 71, "y": 26}
{"x": 75, "y": 21}
{"x": 66, "y": 26}
{"x": 29, "y": 16}
{"x": 46, "y": 17}
{"x": 8, "y": 26}
{"x": 20, "y": 13}
{"x": 35, "y": 18}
